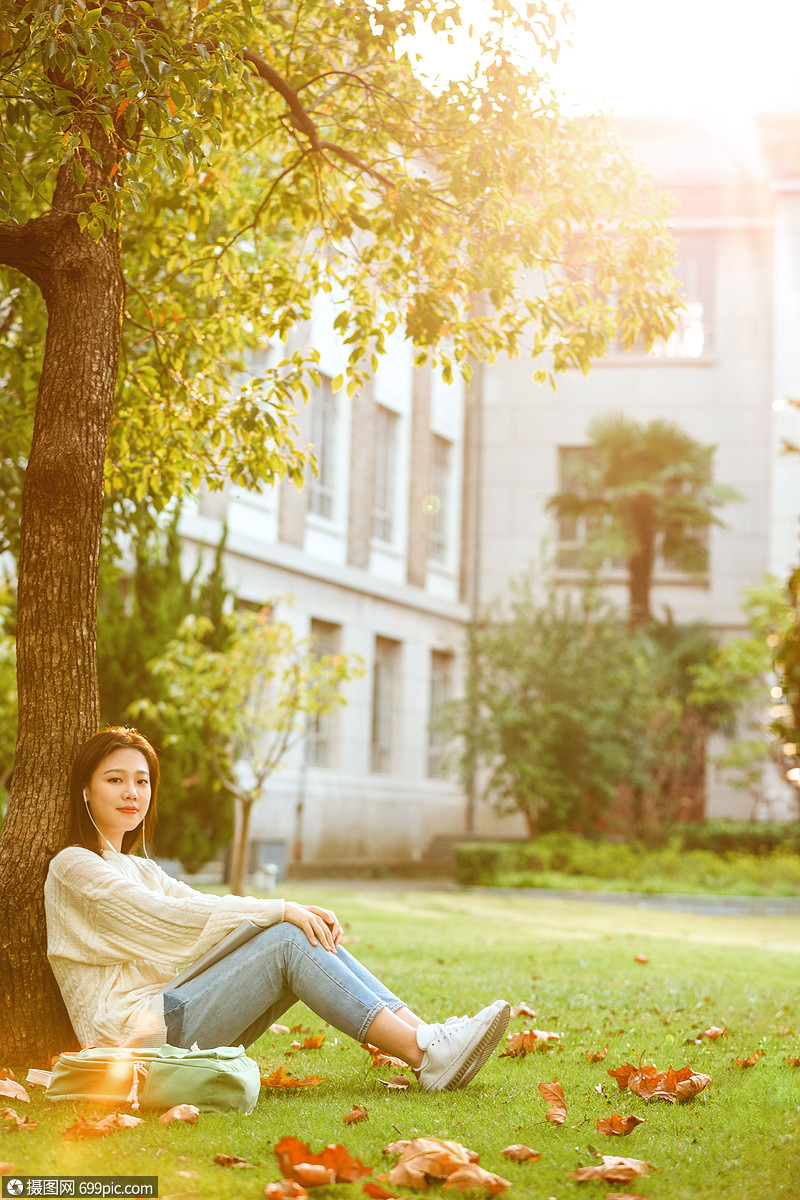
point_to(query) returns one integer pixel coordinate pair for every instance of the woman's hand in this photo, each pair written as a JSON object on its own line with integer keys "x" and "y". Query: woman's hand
{"x": 318, "y": 924}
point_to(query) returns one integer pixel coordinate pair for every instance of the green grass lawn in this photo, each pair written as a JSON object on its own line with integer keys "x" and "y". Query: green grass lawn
{"x": 574, "y": 963}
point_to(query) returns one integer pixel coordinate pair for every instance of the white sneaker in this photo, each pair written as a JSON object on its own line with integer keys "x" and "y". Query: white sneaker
{"x": 455, "y": 1051}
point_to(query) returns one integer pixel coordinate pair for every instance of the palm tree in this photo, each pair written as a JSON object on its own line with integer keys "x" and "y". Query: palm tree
{"x": 646, "y": 491}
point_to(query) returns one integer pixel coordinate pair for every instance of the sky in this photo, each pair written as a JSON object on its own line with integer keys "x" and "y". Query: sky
{"x": 724, "y": 59}
{"x": 720, "y": 58}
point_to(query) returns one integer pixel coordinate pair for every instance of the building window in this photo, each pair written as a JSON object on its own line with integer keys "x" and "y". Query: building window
{"x": 695, "y": 270}
{"x": 438, "y": 506}
{"x": 321, "y": 727}
{"x": 323, "y": 438}
{"x": 384, "y": 690}
{"x": 440, "y": 693}
{"x": 385, "y": 492}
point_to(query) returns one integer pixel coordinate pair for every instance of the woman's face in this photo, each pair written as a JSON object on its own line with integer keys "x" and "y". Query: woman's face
{"x": 118, "y": 793}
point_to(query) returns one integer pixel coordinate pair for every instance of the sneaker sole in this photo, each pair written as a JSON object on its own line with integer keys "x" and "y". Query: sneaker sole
{"x": 480, "y": 1053}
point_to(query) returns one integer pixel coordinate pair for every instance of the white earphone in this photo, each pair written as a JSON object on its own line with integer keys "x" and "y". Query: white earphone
{"x": 102, "y": 835}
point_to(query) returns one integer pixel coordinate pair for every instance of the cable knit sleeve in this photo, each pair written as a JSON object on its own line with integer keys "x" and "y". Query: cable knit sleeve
{"x": 122, "y": 911}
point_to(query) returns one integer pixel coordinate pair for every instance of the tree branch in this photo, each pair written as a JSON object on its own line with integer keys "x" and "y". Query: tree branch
{"x": 21, "y": 247}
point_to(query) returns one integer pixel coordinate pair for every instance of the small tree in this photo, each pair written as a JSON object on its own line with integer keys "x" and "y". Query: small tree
{"x": 560, "y": 711}
{"x": 252, "y": 697}
{"x": 647, "y": 490}
{"x": 135, "y": 624}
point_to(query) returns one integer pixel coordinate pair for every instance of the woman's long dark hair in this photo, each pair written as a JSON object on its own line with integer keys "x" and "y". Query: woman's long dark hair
{"x": 90, "y": 755}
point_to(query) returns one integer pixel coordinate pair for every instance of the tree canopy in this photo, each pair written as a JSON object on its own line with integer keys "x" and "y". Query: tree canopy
{"x": 179, "y": 183}
{"x": 647, "y": 491}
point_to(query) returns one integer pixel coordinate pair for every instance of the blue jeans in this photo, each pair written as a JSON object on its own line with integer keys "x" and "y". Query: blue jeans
{"x": 238, "y": 998}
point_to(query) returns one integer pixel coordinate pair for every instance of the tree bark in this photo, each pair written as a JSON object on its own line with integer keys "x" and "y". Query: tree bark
{"x": 641, "y": 522}
{"x": 62, "y": 512}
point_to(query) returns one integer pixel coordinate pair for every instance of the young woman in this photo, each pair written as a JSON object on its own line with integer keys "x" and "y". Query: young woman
{"x": 118, "y": 926}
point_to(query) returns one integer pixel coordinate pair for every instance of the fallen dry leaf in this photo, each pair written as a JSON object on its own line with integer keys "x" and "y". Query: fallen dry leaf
{"x": 553, "y": 1094}
{"x": 612, "y": 1168}
{"x": 748, "y": 1062}
{"x": 793, "y": 1062}
{"x": 648, "y": 1083}
{"x": 427, "y": 1158}
{"x": 309, "y": 1043}
{"x": 520, "y": 1044}
{"x": 180, "y": 1112}
{"x": 296, "y": 1161}
{"x": 641, "y": 958}
{"x": 9, "y": 1087}
{"x": 356, "y": 1114}
{"x": 377, "y": 1192}
{"x": 712, "y": 1033}
{"x": 396, "y": 1147}
{"x": 285, "y": 1189}
{"x": 279, "y": 1079}
{"x": 522, "y": 1010}
{"x": 18, "y": 1122}
{"x": 233, "y": 1160}
{"x": 379, "y": 1059}
{"x": 473, "y": 1176}
{"x": 597, "y": 1055}
{"x": 398, "y": 1082}
{"x": 519, "y": 1153}
{"x": 300, "y": 1029}
{"x": 615, "y": 1124}
{"x": 90, "y": 1129}
{"x": 278, "y": 1029}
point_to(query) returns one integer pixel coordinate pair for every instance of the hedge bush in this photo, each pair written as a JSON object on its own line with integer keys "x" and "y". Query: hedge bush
{"x": 558, "y": 859}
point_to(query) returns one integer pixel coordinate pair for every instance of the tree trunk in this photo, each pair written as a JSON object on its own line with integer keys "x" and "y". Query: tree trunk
{"x": 641, "y": 522}
{"x": 241, "y": 841}
{"x": 61, "y": 522}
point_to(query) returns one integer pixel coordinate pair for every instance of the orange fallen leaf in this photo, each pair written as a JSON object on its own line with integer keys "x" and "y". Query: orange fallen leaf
{"x": 714, "y": 1032}
{"x": 233, "y": 1160}
{"x": 279, "y": 1079}
{"x": 9, "y": 1087}
{"x": 356, "y": 1114}
{"x": 793, "y": 1062}
{"x": 641, "y": 958}
{"x": 618, "y": 1125}
{"x": 377, "y": 1192}
{"x": 612, "y": 1168}
{"x": 180, "y": 1112}
{"x": 522, "y": 1010}
{"x": 519, "y": 1153}
{"x": 396, "y": 1147}
{"x": 89, "y": 1129}
{"x": 379, "y": 1059}
{"x": 623, "y": 1074}
{"x": 427, "y": 1158}
{"x": 748, "y": 1062}
{"x": 296, "y": 1161}
{"x": 7, "y": 1169}
{"x": 309, "y": 1043}
{"x": 529, "y": 1040}
{"x": 553, "y": 1094}
{"x": 18, "y": 1122}
{"x": 597, "y": 1055}
{"x": 285, "y": 1189}
{"x": 649, "y": 1083}
{"x": 473, "y": 1176}
{"x": 279, "y": 1029}
{"x": 300, "y": 1029}
{"x": 397, "y": 1082}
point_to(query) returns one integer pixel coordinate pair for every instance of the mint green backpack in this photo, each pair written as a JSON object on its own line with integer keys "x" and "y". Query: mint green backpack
{"x": 220, "y": 1080}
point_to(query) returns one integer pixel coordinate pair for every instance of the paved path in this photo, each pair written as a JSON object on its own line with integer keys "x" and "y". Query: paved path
{"x": 716, "y": 906}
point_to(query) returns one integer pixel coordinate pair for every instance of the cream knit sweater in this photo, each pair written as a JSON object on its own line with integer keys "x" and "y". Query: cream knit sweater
{"x": 117, "y": 929}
